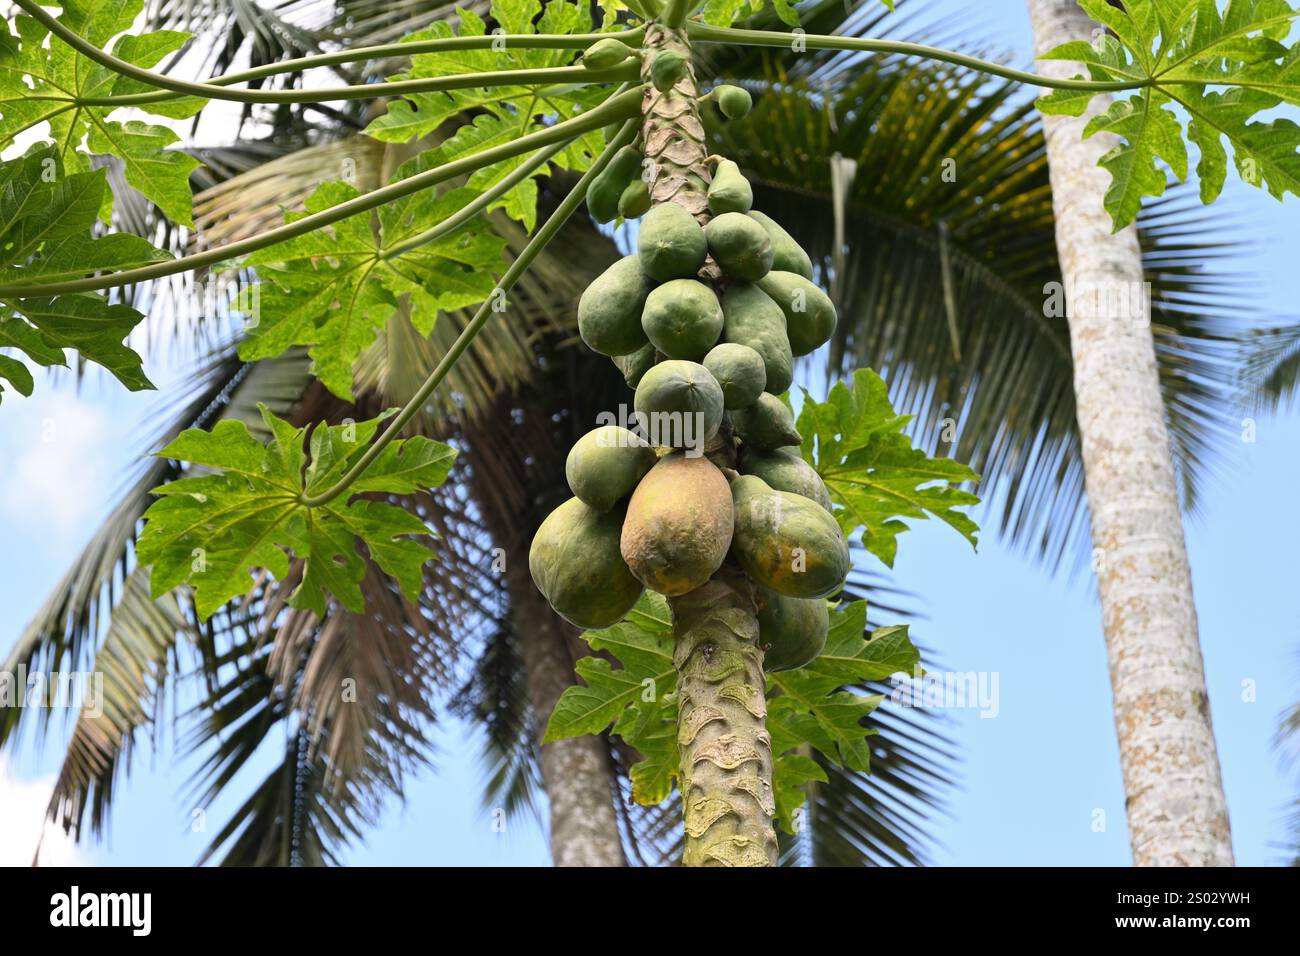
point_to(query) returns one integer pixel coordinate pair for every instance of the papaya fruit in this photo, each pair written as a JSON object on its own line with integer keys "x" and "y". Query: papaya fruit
{"x": 809, "y": 312}
{"x": 751, "y": 318}
{"x": 787, "y": 255}
{"x": 730, "y": 190}
{"x": 785, "y": 470}
{"x": 635, "y": 364}
{"x": 606, "y": 189}
{"x": 786, "y": 542}
{"x": 606, "y": 464}
{"x": 609, "y": 311}
{"x": 678, "y": 525}
{"x": 682, "y": 318}
{"x": 766, "y": 424}
{"x": 576, "y": 564}
{"x": 671, "y": 244}
{"x": 793, "y": 630}
{"x": 740, "y": 372}
{"x": 734, "y": 101}
{"x": 680, "y": 403}
{"x": 635, "y": 201}
{"x": 740, "y": 246}
{"x": 667, "y": 69}
{"x": 605, "y": 54}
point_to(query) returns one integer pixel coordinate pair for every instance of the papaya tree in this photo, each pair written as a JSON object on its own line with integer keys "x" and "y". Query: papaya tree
{"x": 704, "y": 545}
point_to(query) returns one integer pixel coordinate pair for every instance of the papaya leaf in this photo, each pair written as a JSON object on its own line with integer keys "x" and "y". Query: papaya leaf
{"x": 240, "y": 510}
{"x": 42, "y": 79}
{"x": 875, "y": 477}
{"x": 1176, "y": 49}
{"x": 723, "y": 13}
{"x": 46, "y": 223}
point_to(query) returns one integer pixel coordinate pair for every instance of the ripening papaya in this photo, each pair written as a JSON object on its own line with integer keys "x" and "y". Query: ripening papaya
{"x": 740, "y": 372}
{"x": 606, "y": 464}
{"x": 785, "y": 470}
{"x": 635, "y": 364}
{"x": 635, "y": 201}
{"x": 787, "y": 255}
{"x": 576, "y": 564}
{"x": 682, "y": 318}
{"x": 792, "y": 630}
{"x": 740, "y": 246}
{"x": 606, "y": 189}
{"x": 766, "y": 424}
{"x": 667, "y": 69}
{"x": 609, "y": 311}
{"x": 605, "y": 54}
{"x": 671, "y": 244}
{"x": 786, "y": 542}
{"x": 734, "y": 101}
{"x": 678, "y": 525}
{"x": 751, "y": 318}
{"x": 681, "y": 404}
{"x": 809, "y": 312}
{"x": 730, "y": 190}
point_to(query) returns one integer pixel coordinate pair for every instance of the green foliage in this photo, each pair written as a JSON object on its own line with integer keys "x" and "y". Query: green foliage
{"x": 60, "y": 78}
{"x": 723, "y": 13}
{"x": 874, "y": 475}
{"x": 46, "y": 223}
{"x": 211, "y": 529}
{"x": 1179, "y": 48}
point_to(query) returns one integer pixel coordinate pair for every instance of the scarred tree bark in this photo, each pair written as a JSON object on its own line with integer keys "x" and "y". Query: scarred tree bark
{"x": 1177, "y": 815}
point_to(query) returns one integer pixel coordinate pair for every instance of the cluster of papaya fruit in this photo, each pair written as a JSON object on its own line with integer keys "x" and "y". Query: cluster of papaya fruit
{"x": 704, "y": 321}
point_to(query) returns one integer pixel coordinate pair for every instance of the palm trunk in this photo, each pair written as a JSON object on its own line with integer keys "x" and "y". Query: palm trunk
{"x": 1177, "y": 815}
{"x": 726, "y": 753}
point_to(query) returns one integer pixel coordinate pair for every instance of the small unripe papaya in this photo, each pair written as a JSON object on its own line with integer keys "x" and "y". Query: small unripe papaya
{"x": 605, "y": 54}
{"x": 739, "y": 371}
{"x": 606, "y": 464}
{"x": 730, "y": 190}
{"x": 635, "y": 201}
{"x": 635, "y": 364}
{"x": 751, "y": 318}
{"x": 682, "y": 318}
{"x": 809, "y": 312}
{"x": 681, "y": 403}
{"x": 766, "y": 424}
{"x": 734, "y": 101}
{"x": 609, "y": 310}
{"x": 791, "y": 630}
{"x": 667, "y": 69}
{"x": 740, "y": 246}
{"x": 787, "y": 255}
{"x": 604, "y": 192}
{"x": 671, "y": 243}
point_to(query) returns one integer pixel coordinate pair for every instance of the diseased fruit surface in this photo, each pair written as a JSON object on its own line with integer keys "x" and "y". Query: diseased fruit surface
{"x": 740, "y": 246}
{"x": 609, "y": 311}
{"x": 682, "y": 318}
{"x": 809, "y": 313}
{"x": 740, "y": 372}
{"x": 785, "y": 470}
{"x": 787, "y": 255}
{"x": 671, "y": 244}
{"x": 730, "y": 190}
{"x": 679, "y": 399}
{"x": 766, "y": 424}
{"x": 678, "y": 525}
{"x": 751, "y": 318}
{"x": 576, "y": 564}
{"x": 606, "y": 464}
{"x": 786, "y": 542}
{"x": 793, "y": 630}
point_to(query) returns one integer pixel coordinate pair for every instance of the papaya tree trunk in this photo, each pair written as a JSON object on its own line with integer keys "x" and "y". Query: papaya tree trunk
{"x": 725, "y": 750}
{"x": 1177, "y": 814}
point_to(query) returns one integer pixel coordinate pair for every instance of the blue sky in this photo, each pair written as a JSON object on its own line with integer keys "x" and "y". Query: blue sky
{"x": 1036, "y": 778}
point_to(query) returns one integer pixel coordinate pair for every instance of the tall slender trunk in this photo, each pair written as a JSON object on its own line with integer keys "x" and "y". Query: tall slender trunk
{"x": 1177, "y": 815}
{"x": 726, "y": 753}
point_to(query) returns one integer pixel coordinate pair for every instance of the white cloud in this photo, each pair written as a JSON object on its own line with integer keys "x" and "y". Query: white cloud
{"x": 23, "y": 821}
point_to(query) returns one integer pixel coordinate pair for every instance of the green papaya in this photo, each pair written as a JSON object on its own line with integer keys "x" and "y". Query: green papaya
{"x": 787, "y": 255}
{"x": 636, "y": 364}
{"x": 607, "y": 188}
{"x": 679, "y": 403}
{"x": 751, "y": 318}
{"x": 740, "y": 372}
{"x": 678, "y": 525}
{"x": 734, "y": 101}
{"x": 576, "y": 564}
{"x": 606, "y": 464}
{"x": 609, "y": 311}
{"x": 793, "y": 630}
{"x": 766, "y": 424}
{"x": 785, "y": 470}
{"x": 682, "y": 318}
{"x": 667, "y": 69}
{"x": 730, "y": 190}
{"x": 635, "y": 201}
{"x": 740, "y": 246}
{"x": 786, "y": 542}
{"x": 809, "y": 312}
{"x": 605, "y": 54}
{"x": 671, "y": 244}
